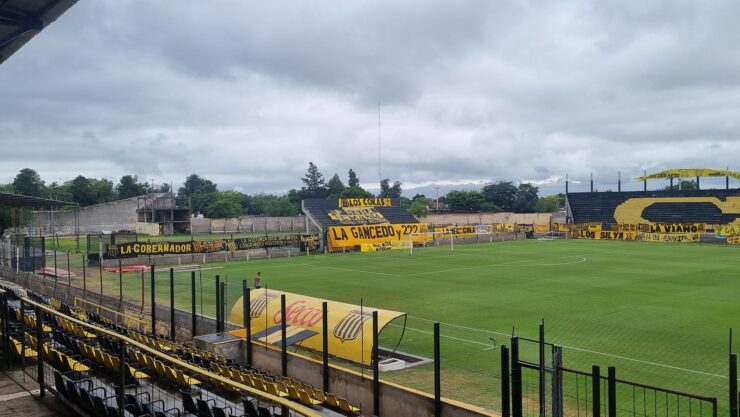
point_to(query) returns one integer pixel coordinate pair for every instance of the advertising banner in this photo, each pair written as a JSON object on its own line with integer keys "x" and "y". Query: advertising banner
{"x": 350, "y": 236}
{"x": 350, "y": 326}
{"x": 457, "y": 231}
{"x": 670, "y": 237}
{"x": 134, "y": 249}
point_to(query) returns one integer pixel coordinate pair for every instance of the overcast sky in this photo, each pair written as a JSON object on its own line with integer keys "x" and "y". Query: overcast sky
{"x": 246, "y": 93}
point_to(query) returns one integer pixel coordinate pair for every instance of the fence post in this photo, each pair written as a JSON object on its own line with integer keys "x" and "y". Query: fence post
{"x": 505, "y": 388}
{"x": 172, "y": 303}
{"x": 516, "y": 379}
{"x": 376, "y": 371}
{"x": 542, "y": 370}
{"x": 437, "y": 374}
{"x": 193, "y": 315}
{"x": 40, "y": 352}
{"x": 154, "y": 302}
{"x": 218, "y": 304}
{"x": 84, "y": 277}
{"x": 120, "y": 283}
{"x": 596, "y": 390}
{"x": 557, "y": 381}
{"x": 121, "y": 377}
{"x": 733, "y": 385}
{"x": 100, "y": 273}
{"x": 612, "y": 391}
{"x": 69, "y": 276}
{"x": 247, "y": 306}
{"x": 283, "y": 331}
{"x": 6, "y": 329}
{"x": 325, "y": 344}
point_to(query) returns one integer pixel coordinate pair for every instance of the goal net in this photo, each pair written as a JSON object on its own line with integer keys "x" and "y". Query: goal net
{"x": 550, "y": 235}
{"x": 424, "y": 239}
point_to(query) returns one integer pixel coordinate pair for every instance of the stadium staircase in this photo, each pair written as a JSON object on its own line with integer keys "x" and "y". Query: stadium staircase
{"x": 83, "y": 369}
{"x": 599, "y": 207}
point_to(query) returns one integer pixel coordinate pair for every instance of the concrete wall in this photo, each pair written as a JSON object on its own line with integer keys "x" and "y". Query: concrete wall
{"x": 486, "y": 218}
{"x": 250, "y": 224}
{"x": 116, "y": 215}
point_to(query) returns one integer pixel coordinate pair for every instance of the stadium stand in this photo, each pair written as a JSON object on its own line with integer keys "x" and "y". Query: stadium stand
{"x": 687, "y": 206}
{"x": 85, "y": 363}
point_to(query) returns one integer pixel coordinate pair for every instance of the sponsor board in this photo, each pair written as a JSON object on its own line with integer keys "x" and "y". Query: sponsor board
{"x": 350, "y": 326}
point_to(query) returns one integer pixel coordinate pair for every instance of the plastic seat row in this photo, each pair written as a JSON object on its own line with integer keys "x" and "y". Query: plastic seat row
{"x": 110, "y": 363}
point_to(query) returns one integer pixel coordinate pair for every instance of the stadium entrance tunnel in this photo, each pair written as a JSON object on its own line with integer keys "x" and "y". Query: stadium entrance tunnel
{"x": 349, "y": 327}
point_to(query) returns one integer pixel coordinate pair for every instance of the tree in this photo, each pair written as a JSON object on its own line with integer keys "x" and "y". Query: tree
{"x": 464, "y": 200}
{"x": 419, "y": 207}
{"x": 353, "y": 181}
{"x": 502, "y": 194}
{"x": 489, "y": 207}
{"x": 525, "y": 200}
{"x": 388, "y": 191}
{"x": 129, "y": 186}
{"x": 682, "y": 185}
{"x": 335, "y": 186}
{"x": 201, "y": 191}
{"x": 272, "y": 205}
{"x": 225, "y": 204}
{"x": 28, "y": 182}
{"x": 313, "y": 183}
{"x": 355, "y": 192}
{"x": 59, "y": 192}
{"x": 89, "y": 191}
{"x": 548, "y": 204}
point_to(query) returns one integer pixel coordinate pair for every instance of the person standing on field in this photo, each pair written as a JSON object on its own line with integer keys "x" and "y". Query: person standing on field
{"x": 258, "y": 280}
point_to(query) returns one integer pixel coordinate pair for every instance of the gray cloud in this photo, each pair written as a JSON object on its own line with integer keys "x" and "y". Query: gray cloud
{"x": 248, "y": 93}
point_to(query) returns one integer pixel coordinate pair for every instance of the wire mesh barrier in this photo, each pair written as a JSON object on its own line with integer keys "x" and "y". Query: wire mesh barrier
{"x": 555, "y": 380}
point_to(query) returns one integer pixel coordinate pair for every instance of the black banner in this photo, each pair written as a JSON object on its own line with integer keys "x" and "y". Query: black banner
{"x": 134, "y": 249}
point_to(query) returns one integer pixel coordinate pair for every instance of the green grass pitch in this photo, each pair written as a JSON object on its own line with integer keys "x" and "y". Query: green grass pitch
{"x": 658, "y": 312}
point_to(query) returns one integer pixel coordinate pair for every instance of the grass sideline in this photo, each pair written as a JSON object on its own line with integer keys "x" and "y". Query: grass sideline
{"x": 658, "y": 312}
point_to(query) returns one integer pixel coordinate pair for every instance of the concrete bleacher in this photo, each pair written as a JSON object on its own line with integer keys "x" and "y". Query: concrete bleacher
{"x": 81, "y": 361}
{"x": 600, "y": 207}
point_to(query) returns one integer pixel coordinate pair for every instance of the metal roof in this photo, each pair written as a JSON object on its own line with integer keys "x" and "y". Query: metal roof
{"x": 690, "y": 173}
{"x": 17, "y": 200}
{"x": 21, "y": 20}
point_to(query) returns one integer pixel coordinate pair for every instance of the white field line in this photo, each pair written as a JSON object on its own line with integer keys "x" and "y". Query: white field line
{"x": 662, "y": 365}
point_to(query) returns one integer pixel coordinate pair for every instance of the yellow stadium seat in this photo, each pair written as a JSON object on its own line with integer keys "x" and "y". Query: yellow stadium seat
{"x": 183, "y": 379}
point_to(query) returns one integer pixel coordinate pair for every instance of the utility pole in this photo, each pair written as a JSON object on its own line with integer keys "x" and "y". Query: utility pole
{"x": 437, "y": 188}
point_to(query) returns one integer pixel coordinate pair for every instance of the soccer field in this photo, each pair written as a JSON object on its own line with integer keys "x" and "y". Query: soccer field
{"x": 660, "y": 313}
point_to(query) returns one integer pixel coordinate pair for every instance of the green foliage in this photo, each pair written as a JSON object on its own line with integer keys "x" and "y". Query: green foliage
{"x": 313, "y": 183}
{"x": 272, "y": 205}
{"x": 548, "y": 204}
{"x": 682, "y": 185}
{"x": 508, "y": 197}
{"x": 200, "y": 190}
{"x": 225, "y": 204}
{"x": 89, "y": 191}
{"x": 129, "y": 186}
{"x": 355, "y": 192}
{"x": 525, "y": 199}
{"x": 489, "y": 207}
{"x": 419, "y": 207}
{"x": 335, "y": 187}
{"x": 502, "y": 194}
{"x": 28, "y": 182}
{"x": 353, "y": 181}
{"x": 464, "y": 200}
{"x": 390, "y": 191}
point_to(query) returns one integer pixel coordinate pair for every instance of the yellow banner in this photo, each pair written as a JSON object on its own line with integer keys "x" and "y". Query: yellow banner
{"x": 671, "y": 227}
{"x": 728, "y": 230}
{"x": 351, "y": 236}
{"x": 733, "y": 240}
{"x": 385, "y": 246}
{"x": 457, "y": 231}
{"x": 606, "y": 235}
{"x": 350, "y": 326}
{"x": 357, "y": 215}
{"x": 541, "y": 228}
{"x": 365, "y": 202}
{"x": 670, "y": 237}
